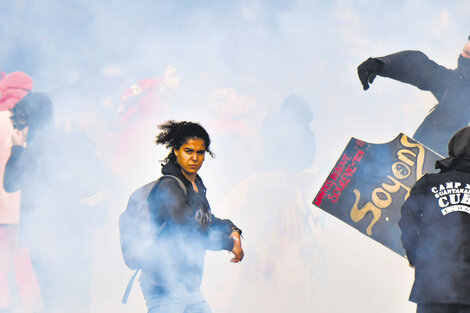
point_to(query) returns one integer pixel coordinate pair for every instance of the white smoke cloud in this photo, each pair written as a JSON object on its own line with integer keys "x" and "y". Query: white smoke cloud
{"x": 263, "y": 51}
{"x": 227, "y": 102}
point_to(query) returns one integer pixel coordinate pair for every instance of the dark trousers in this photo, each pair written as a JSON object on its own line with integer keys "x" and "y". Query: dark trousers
{"x": 442, "y": 308}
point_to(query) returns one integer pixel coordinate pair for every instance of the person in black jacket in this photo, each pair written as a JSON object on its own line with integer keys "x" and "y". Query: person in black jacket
{"x": 62, "y": 202}
{"x": 435, "y": 225}
{"x": 450, "y": 87}
{"x": 171, "y": 282}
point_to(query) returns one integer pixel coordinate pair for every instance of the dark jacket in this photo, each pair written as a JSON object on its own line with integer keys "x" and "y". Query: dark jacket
{"x": 190, "y": 230}
{"x": 450, "y": 87}
{"x": 31, "y": 171}
{"x": 56, "y": 173}
{"x": 435, "y": 225}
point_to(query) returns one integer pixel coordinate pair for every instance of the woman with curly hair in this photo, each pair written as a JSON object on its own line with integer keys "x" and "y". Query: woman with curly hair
{"x": 172, "y": 283}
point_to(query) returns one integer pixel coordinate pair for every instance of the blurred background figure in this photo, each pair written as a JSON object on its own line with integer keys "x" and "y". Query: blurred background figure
{"x": 62, "y": 201}
{"x": 281, "y": 245}
{"x": 450, "y": 87}
{"x": 287, "y": 137}
{"x": 18, "y": 283}
{"x": 235, "y": 134}
{"x": 136, "y": 111}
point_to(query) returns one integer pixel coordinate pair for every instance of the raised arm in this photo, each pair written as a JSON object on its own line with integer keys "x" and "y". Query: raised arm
{"x": 411, "y": 67}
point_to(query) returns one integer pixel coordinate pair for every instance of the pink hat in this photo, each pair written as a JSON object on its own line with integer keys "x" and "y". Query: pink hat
{"x": 13, "y": 87}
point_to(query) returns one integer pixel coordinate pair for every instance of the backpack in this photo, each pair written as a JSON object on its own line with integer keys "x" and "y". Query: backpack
{"x": 138, "y": 233}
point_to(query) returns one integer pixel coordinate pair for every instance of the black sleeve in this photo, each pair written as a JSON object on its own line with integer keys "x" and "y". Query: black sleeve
{"x": 415, "y": 68}
{"x": 219, "y": 234}
{"x": 222, "y": 225}
{"x": 410, "y": 218}
{"x": 172, "y": 200}
{"x": 14, "y": 170}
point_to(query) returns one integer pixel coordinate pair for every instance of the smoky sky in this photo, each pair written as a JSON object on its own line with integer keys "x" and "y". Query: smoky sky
{"x": 235, "y": 64}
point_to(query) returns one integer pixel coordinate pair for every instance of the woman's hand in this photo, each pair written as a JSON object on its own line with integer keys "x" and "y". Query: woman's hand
{"x": 19, "y": 137}
{"x": 237, "y": 247}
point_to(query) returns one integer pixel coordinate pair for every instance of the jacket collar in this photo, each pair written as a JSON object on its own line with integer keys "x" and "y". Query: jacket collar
{"x": 173, "y": 168}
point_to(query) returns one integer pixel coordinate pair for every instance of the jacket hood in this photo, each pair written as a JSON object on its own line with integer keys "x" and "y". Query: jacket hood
{"x": 173, "y": 168}
{"x": 459, "y": 153}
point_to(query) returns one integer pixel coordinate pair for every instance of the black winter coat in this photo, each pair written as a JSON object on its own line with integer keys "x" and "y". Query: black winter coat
{"x": 435, "y": 225}
{"x": 450, "y": 87}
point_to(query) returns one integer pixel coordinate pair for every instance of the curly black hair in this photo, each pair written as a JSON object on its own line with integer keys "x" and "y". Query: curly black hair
{"x": 174, "y": 134}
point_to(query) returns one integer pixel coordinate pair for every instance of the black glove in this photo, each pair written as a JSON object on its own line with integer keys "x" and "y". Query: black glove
{"x": 367, "y": 71}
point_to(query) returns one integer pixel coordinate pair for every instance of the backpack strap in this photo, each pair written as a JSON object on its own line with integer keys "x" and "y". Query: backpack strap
{"x": 147, "y": 194}
{"x": 180, "y": 182}
{"x": 129, "y": 286}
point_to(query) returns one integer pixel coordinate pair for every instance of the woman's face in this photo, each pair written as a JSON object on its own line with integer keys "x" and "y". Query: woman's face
{"x": 190, "y": 155}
